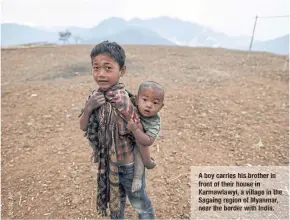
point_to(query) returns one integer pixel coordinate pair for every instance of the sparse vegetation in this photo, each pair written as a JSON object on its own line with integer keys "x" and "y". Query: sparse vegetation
{"x": 64, "y": 36}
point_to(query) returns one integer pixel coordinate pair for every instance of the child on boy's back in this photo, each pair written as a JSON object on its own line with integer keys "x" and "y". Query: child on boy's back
{"x": 149, "y": 102}
{"x": 104, "y": 118}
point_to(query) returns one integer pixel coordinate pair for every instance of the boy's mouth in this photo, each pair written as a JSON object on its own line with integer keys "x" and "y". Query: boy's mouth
{"x": 102, "y": 81}
{"x": 147, "y": 111}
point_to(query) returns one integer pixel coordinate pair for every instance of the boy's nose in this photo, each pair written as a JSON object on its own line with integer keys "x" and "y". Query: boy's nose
{"x": 101, "y": 72}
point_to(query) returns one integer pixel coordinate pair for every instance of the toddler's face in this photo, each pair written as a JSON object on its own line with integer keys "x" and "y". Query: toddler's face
{"x": 150, "y": 101}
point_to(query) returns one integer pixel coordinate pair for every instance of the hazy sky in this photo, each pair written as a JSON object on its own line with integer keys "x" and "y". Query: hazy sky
{"x": 233, "y": 17}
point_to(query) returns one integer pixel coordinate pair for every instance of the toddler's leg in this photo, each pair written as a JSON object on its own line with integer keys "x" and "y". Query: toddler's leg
{"x": 138, "y": 170}
{"x": 149, "y": 163}
{"x": 141, "y": 203}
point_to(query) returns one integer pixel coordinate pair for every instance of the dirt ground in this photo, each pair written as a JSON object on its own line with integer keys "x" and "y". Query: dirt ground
{"x": 222, "y": 107}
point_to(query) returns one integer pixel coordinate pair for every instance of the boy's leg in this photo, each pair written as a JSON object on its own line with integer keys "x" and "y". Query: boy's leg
{"x": 140, "y": 201}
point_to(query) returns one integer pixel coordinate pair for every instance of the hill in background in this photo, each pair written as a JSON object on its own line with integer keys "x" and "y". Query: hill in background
{"x": 156, "y": 31}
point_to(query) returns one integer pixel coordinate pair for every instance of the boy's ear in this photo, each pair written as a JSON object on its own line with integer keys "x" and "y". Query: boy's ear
{"x": 123, "y": 70}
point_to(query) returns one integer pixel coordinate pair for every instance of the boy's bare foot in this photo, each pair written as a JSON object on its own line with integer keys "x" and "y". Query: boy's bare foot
{"x": 136, "y": 185}
{"x": 150, "y": 165}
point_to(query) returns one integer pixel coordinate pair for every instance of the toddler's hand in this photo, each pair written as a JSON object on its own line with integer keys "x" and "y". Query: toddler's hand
{"x": 132, "y": 125}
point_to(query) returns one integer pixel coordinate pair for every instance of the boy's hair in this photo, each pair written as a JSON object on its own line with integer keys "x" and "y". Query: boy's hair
{"x": 112, "y": 49}
{"x": 153, "y": 85}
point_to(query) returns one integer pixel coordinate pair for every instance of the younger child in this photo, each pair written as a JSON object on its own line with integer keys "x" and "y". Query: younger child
{"x": 149, "y": 102}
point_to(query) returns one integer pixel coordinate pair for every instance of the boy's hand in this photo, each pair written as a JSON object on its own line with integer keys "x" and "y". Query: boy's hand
{"x": 132, "y": 125}
{"x": 95, "y": 101}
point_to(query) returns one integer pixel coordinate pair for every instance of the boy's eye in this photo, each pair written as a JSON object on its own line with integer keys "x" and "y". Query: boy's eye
{"x": 145, "y": 100}
{"x": 108, "y": 68}
{"x": 155, "y": 103}
{"x": 96, "y": 68}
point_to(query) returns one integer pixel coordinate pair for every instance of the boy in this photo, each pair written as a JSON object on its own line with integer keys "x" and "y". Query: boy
{"x": 149, "y": 102}
{"x": 104, "y": 118}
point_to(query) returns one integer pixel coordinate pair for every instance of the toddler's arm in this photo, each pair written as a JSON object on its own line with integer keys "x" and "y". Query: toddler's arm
{"x": 142, "y": 149}
{"x": 140, "y": 136}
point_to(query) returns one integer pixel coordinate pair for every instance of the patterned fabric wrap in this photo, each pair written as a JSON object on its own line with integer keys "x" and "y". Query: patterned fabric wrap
{"x": 122, "y": 102}
{"x": 103, "y": 137}
{"x": 111, "y": 141}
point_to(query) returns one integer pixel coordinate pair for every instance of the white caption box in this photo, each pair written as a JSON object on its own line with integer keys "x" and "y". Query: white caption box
{"x": 239, "y": 192}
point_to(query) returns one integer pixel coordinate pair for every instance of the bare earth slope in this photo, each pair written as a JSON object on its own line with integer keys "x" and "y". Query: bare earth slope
{"x": 219, "y": 105}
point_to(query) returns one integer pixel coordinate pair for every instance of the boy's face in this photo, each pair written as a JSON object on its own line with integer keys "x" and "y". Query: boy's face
{"x": 149, "y": 101}
{"x": 106, "y": 71}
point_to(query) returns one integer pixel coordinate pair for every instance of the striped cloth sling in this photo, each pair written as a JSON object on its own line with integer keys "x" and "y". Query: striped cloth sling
{"x": 103, "y": 135}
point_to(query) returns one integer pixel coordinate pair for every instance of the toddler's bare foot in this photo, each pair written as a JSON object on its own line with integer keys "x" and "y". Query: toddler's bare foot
{"x": 136, "y": 185}
{"x": 151, "y": 164}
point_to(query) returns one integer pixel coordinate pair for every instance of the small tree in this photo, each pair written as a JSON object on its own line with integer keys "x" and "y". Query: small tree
{"x": 64, "y": 36}
{"x": 77, "y": 39}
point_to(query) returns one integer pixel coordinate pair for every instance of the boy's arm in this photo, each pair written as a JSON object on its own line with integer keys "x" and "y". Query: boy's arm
{"x": 95, "y": 101}
{"x": 84, "y": 119}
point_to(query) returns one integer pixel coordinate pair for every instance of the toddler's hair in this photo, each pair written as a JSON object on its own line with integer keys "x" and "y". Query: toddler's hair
{"x": 151, "y": 84}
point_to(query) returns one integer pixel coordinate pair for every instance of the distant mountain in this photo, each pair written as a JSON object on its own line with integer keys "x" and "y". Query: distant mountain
{"x": 15, "y": 34}
{"x": 133, "y": 35}
{"x": 170, "y": 28}
{"x": 278, "y": 45}
{"x": 156, "y": 31}
{"x": 190, "y": 34}
{"x": 107, "y": 27}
